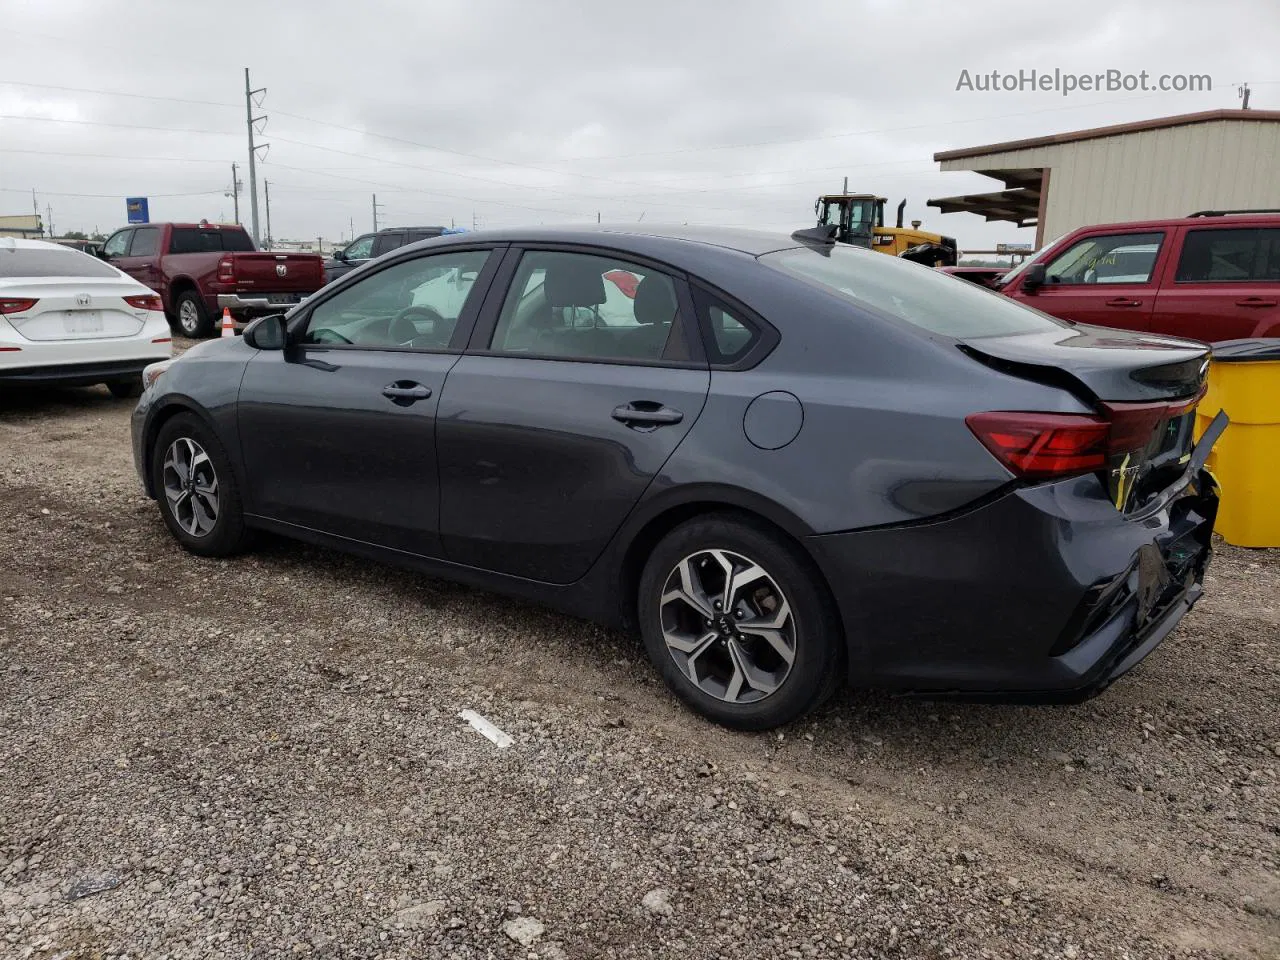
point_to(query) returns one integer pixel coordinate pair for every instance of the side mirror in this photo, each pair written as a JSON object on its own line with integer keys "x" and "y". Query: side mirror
{"x": 1033, "y": 278}
{"x": 267, "y": 333}
{"x": 340, "y": 255}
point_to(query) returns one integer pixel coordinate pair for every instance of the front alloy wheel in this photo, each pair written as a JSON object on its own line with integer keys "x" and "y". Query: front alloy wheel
{"x": 191, "y": 487}
{"x": 728, "y": 626}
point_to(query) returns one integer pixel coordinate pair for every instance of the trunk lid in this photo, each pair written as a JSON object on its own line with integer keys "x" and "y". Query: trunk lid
{"x": 277, "y": 272}
{"x": 75, "y": 309}
{"x": 1100, "y": 364}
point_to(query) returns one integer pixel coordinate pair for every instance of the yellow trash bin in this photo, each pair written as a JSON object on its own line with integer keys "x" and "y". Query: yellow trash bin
{"x": 1244, "y": 380}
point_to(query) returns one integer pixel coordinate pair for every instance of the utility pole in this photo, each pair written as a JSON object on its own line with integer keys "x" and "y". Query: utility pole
{"x": 351, "y": 224}
{"x": 49, "y": 208}
{"x": 1243, "y": 92}
{"x": 846, "y": 185}
{"x": 250, "y": 119}
{"x": 376, "y": 205}
{"x": 266, "y": 189}
{"x": 235, "y": 191}
{"x": 35, "y": 208}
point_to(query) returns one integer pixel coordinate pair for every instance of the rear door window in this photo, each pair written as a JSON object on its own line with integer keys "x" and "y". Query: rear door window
{"x": 587, "y": 307}
{"x": 1114, "y": 258}
{"x": 916, "y": 294}
{"x": 385, "y": 242}
{"x": 1230, "y": 255}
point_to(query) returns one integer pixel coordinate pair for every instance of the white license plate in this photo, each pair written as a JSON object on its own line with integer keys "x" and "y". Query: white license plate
{"x": 82, "y": 321}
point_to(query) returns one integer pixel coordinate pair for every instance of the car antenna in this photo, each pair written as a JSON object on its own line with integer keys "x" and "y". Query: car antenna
{"x": 825, "y": 235}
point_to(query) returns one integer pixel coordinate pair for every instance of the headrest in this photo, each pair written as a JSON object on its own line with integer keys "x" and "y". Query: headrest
{"x": 655, "y": 302}
{"x": 574, "y": 283}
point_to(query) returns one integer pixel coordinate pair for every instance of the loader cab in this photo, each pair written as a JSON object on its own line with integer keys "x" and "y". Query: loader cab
{"x": 854, "y": 215}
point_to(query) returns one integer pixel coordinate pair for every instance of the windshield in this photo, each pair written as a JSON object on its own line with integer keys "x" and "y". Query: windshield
{"x": 919, "y": 295}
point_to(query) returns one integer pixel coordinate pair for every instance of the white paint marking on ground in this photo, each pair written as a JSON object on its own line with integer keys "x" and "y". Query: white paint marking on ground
{"x": 486, "y": 729}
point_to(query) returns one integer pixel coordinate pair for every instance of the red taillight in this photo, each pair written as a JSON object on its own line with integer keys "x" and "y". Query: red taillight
{"x": 1038, "y": 446}
{"x": 1041, "y": 445}
{"x": 147, "y": 301}
{"x": 16, "y": 306}
{"x": 227, "y": 270}
{"x": 163, "y": 340}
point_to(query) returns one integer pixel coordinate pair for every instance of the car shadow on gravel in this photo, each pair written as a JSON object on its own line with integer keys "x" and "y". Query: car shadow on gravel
{"x": 33, "y": 402}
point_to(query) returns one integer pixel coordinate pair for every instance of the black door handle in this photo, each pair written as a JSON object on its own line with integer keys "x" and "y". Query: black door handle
{"x": 646, "y": 413}
{"x": 405, "y": 392}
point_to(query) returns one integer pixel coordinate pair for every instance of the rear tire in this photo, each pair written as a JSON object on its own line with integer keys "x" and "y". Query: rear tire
{"x": 190, "y": 315}
{"x": 196, "y": 489}
{"x": 126, "y": 389}
{"x": 770, "y": 654}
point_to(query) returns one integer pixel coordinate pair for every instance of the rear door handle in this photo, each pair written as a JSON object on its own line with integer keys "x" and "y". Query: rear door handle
{"x": 1123, "y": 302}
{"x": 1255, "y": 302}
{"x": 405, "y": 392}
{"x": 646, "y": 413}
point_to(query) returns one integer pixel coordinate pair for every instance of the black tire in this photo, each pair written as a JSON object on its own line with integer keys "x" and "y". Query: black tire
{"x": 227, "y": 535}
{"x": 191, "y": 319}
{"x": 129, "y": 389}
{"x": 818, "y": 639}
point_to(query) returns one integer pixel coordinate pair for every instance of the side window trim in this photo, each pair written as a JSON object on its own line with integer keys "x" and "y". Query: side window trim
{"x": 486, "y": 326}
{"x": 1153, "y": 276}
{"x": 706, "y": 296}
{"x": 299, "y": 322}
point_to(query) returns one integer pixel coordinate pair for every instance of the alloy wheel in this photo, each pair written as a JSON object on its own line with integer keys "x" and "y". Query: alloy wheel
{"x": 728, "y": 626}
{"x": 191, "y": 487}
{"x": 188, "y": 317}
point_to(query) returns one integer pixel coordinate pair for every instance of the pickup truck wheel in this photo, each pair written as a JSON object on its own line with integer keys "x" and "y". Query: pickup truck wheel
{"x": 193, "y": 320}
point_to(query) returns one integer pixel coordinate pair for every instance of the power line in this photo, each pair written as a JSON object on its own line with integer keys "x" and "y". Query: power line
{"x": 121, "y": 126}
{"x": 113, "y": 93}
{"x": 113, "y": 196}
{"x": 109, "y": 156}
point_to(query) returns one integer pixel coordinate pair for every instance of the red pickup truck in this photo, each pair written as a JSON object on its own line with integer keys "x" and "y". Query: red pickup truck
{"x": 1211, "y": 276}
{"x": 200, "y": 268}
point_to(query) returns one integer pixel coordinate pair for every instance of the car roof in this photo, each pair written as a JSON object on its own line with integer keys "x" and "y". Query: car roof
{"x": 659, "y": 241}
{"x": 21, "y": 243}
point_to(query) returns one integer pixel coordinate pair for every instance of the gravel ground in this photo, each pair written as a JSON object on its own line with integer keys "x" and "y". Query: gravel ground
{"x": 262, "y": 757}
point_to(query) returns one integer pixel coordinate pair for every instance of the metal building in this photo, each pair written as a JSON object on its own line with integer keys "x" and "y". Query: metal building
{"x": 1166, "y": 167}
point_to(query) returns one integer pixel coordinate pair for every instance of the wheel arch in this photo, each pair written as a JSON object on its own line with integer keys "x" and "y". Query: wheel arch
{"x": 168, "y": 408}
{"x": 647, "y": 528}
{"x": 178, "y": 286}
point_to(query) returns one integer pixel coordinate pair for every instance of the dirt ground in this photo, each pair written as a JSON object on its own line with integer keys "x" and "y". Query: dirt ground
{"x": 262, "y": 757}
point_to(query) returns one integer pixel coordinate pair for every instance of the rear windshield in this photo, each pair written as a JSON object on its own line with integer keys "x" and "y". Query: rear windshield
{"x": 194, "y": 240}
{"x": 918, "y": 295}
{"x": 35, "y": 262}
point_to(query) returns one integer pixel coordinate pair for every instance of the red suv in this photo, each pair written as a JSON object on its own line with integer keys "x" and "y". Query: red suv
{"x": 1212, "y": 276}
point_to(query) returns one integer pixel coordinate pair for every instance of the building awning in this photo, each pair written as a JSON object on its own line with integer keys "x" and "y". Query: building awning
{"x": 1020, "y": 205}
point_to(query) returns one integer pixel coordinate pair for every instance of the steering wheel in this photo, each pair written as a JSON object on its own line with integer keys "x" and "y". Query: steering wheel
{"x": 407, "y": 316}
{"x": 325, "y": 335}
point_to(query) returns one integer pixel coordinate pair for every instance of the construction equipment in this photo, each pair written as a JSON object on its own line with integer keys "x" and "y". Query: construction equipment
{"x": 858, "y": 218}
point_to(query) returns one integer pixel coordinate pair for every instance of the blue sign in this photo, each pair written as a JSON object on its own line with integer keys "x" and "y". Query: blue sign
{"x": 137, "y": 207}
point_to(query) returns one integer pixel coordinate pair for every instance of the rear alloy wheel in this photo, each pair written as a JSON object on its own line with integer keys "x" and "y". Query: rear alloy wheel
{"x": 197, "y": 492}
{"x": 736, "y": 621}
{"x": 191, "y": 316}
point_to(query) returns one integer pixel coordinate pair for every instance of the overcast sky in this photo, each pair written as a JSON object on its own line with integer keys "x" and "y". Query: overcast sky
{"x": 520, "y": 111}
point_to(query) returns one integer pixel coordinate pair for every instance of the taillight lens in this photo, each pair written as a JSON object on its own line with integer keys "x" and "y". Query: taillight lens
{"x": 151, "y": 372}
{"x": 227, "y": 270}
{"x": 147, "y": 301}
{"x": 16, "y": 306}
{"x": 1037, "y": 446}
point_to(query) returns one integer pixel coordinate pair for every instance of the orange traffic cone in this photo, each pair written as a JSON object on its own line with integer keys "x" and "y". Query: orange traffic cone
{"x": 228, "y": 325}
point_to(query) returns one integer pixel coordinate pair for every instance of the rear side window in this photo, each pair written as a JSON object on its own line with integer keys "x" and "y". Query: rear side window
{"x": 915, "y": 294}
{"x": 387, "y": 241}
{"x": 204, "y": 240}
{"x": 144, "y": 243}
{"x": 729, "y": 335}
{"x": 586, "y": 307}
{"x": 1115, "y": 258}
{"x": 37, "y": 262}
{"x": 1223, "y": 256}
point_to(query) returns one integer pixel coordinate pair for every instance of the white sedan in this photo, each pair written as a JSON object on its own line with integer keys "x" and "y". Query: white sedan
{"x": 70, "y": 319}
